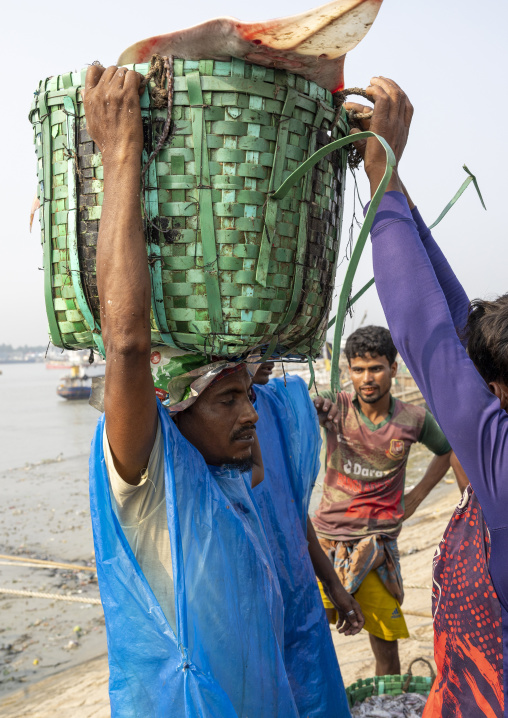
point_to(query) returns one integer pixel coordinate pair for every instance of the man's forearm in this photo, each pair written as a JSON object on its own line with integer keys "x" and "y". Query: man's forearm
{"x": 113, "y": 117}
{"x": 123, "y": 278}
{"x": 456, "y": 297}
{"x": 123, "y": 282}
{"x": 460, "y": 474}
{"x": 322, "y": 565}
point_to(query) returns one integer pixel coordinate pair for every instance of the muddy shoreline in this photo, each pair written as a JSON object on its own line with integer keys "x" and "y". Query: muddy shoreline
{"x": 45, "y": 516}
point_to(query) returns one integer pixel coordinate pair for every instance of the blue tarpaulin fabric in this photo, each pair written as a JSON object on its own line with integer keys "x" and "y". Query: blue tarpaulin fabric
{"x": 226, "y": 658}
{"x": 289, "y": 437}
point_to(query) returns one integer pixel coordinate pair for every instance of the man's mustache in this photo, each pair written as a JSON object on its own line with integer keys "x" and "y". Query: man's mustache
{"x": 240, "y": 433}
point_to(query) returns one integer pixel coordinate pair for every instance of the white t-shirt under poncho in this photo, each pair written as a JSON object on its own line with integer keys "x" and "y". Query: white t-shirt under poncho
{"x": 141, "y": 512}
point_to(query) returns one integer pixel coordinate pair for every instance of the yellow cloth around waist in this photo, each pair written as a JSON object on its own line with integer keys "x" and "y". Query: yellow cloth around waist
{"x": 383, "y": 614}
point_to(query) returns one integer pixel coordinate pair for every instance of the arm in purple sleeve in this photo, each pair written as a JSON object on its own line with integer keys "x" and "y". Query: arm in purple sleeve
{"x": 424, "y": 333}
{"x": 456, "y": 297}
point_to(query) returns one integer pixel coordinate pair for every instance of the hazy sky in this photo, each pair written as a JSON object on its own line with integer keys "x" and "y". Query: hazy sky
{"x": 449, "y": 55}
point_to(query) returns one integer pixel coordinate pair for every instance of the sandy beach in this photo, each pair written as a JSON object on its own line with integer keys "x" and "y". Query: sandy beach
{"x": 53, "y": 653}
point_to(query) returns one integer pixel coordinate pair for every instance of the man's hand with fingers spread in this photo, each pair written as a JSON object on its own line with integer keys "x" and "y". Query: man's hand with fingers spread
{"x": 328, "y": 413}
{"x": 391, "y": 120}
{"x": 113, "y": 113}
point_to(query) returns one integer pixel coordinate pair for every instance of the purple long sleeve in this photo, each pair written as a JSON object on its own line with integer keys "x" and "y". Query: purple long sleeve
{"x": 424, "y": 333}
{"x": 456, "y": 297}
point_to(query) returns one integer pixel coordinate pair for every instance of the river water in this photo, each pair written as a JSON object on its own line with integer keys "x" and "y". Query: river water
{"x": 35, "y": 423}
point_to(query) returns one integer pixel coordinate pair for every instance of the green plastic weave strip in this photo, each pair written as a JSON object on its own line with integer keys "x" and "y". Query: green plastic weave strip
{"x": 232, "y": 269}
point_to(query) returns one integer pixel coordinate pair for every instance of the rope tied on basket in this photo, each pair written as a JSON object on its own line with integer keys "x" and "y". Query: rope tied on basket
{"x": 354, "y": 159}
{"x": 161, "y": 71}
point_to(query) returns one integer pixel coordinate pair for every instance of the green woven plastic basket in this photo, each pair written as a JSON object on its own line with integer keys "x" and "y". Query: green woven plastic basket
{"x": 363, "y": 688}
{"x": 232, "y": 269}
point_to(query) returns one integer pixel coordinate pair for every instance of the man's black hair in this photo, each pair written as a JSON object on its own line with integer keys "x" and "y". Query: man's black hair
{"x": 376, "y": 341}
{"x": 486, "y": 332}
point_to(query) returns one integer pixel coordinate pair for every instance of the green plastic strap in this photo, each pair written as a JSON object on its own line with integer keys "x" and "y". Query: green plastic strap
{"x": 266, "y": 242}
{"x": 456, "y": 196}
{"x": 67, "y": 80}
{"x": 268, "y": 90}
{"x": 276, "y": 176}
{"x": 354, "y": 299}
{"x": 302, "y": 227}
{"x": 45, "y": 119}
{"x": 314, "y": 333}
{"x": 445, "y": 211}
{"x": 295, "y": 176}
{"x": 360, "y": 244}
{"x": 153, "y": 248}
{"x": 309, "y": 163}
{"x": 271, "y": 348}
{"x": 206, "y": 219}
{"x": 312, "y": 375}
{"x": 282, "y": 138}
{"x": 70, "y": 105}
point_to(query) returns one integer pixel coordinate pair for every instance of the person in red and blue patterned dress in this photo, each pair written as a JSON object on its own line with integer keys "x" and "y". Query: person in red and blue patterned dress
{"x": 465, "y": 383}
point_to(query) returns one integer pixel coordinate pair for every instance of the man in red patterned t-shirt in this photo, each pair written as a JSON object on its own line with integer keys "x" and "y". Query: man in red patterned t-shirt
{"x": 368, "y": 439}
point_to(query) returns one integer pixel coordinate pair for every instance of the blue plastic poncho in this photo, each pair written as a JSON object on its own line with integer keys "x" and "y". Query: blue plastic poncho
{"x": 226, "y": 659}
{"x": 289, "y": 437}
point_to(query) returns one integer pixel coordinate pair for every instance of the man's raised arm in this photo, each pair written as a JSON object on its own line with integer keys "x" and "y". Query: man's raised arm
{"x": 421, "y": 324}
{"x": 455, "y": 295}
{"x": 113, "y": 118}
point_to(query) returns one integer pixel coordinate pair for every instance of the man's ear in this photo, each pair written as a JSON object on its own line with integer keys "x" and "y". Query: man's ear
{"x": 501, "y": 391}
{"x": 394, "y": 368}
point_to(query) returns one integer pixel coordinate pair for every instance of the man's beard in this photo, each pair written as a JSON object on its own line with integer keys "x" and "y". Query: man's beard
{"x": 241, "y": 465}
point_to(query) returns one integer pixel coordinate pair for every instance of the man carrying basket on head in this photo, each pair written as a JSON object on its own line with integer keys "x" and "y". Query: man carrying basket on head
{"x": 193, "y": 609}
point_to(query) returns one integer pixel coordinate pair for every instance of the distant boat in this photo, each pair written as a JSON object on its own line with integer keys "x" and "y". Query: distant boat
{"x": 75, "y": 385}
{"x": 77, "y": 358}
{"x": 56, "y": 364}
